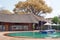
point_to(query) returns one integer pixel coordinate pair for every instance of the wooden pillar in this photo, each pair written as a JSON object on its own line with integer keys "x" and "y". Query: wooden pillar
{"x": 6, "y": 26}
{"x": 41, "y": 25}
{"x": 30, "y": 26}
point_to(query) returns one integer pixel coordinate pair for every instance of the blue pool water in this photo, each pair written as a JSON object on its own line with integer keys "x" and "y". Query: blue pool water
{"x": 35, "y": 35}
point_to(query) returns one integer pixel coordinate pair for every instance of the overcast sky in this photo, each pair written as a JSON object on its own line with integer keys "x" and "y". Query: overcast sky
{"x": 9, "y": 4}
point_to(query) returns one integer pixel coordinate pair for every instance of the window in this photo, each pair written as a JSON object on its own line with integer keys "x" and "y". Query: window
{"x": 2, "y": 27}
{"x": 25, "y": 27}
{"x": 16, "y": 27}
{"x": 19, "y": 27}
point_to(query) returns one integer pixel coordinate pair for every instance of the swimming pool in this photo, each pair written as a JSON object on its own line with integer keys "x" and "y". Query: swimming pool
{"x": 34, "y": 35}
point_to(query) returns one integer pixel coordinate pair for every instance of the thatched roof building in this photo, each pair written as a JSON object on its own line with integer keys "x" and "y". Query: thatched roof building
{"x": 15, "y": 22}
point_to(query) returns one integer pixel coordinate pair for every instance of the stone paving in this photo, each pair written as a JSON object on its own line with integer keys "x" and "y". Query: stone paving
{"x": 2, "y": 37}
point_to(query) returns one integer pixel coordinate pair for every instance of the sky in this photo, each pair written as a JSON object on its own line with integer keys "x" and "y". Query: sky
{"x": 55, "y": 6}
{"x": 10, "y": 4}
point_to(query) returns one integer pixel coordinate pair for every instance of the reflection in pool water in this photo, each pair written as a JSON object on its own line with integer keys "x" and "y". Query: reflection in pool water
{"x": 35, "y": 35}
{"x": 50, "y": 31}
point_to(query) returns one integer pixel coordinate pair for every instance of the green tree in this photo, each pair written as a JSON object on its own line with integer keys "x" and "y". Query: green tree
{"x": 59, "y": 19}
{"x": 55, "y": 20}
{"x": 32, "y": 6}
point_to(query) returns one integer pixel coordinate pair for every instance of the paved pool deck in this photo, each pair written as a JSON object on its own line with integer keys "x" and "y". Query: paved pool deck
{"x": 3, "y": 37}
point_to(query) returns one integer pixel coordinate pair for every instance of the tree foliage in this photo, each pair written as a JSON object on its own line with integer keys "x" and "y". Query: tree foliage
{"x": 4, "y": 11}
{"x": 32, "y": 6}
{"x": 55, "y": 20}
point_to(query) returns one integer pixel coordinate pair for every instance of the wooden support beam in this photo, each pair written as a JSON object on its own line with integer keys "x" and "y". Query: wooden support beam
{"x": 6, "y": 26}
{"x": 30, "y": 26}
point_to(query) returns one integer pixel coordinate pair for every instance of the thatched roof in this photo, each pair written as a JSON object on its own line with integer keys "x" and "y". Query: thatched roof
{"x": 22, "y": 18}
